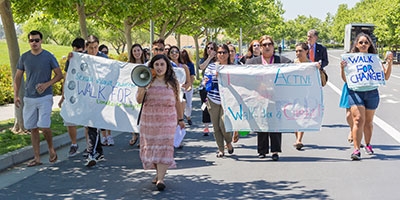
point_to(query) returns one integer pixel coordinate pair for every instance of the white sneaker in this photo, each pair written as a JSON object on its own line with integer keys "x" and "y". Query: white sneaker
{"x": 104, "y": 141}
{"x": 110, "y": 140}
{"x": 90, "y": 161}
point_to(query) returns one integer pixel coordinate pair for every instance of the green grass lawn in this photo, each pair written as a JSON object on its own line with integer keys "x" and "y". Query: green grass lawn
{"x": 58, "y": 51}
{"x": 10, "y": 141}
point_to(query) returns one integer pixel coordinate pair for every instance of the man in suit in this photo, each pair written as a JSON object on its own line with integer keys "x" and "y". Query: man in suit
{"x": 318, "y": 53}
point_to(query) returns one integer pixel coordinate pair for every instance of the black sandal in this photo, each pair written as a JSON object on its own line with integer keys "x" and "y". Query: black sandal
{"x": 133, "y": 141}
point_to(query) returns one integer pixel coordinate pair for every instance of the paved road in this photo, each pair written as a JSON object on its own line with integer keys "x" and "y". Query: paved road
{"x": 322, "y": 170}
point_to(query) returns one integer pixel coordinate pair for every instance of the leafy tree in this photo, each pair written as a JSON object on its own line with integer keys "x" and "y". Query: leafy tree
{"x": 339, "y": 21}
{"x": 13, "y": 51}
{"x": 393, "y": 24}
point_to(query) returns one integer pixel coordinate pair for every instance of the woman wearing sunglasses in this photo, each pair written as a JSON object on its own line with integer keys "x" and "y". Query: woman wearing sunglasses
{"x": 209, "y": 56}
{"x": 214, "y": 101}
{"x": 364, "y": 101}
{"x": 253, "y": 51}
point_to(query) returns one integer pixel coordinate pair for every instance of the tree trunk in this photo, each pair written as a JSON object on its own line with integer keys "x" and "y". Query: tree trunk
{"x": 128, "y": 35}
{"x": 82, "y": 19}
{"x": 178, "y": 40}
{"x": 196, "y": 44}
{"x": 13, "y": 51}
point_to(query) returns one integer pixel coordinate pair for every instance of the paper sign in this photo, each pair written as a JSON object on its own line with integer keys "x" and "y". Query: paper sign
{"x": 271, "y": 98}
{"x": 363, "y": 71}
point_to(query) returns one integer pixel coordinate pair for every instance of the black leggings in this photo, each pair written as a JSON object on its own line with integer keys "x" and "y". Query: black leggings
{"x": 206, "y": 115}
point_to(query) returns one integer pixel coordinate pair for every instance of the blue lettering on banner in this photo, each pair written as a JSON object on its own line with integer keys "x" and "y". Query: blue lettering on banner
{"x": 365, "y": 59}
{"x": 291, "y": 80}
{"x": 250, "y": 114}
{"x": 104, "y": 82}
{"x": 366, "y": 73}
{"x": 238, "y": 115}
{"x": 84, "y": 78}
{"x": 89, "y": 90}
{"x": 266, "y": 114}
{"x": 121, "y": 94}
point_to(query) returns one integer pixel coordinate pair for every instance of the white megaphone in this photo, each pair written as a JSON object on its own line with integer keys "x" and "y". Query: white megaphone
{"x": 141, "y": 75}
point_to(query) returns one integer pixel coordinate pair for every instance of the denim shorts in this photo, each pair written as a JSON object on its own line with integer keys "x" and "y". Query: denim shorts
{"x": 368, "y": 99}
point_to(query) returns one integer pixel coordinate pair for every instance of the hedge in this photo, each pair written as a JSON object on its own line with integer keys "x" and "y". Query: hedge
{"x": 6, "y": 84}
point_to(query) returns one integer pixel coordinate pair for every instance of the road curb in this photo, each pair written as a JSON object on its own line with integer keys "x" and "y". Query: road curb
{"x": 19, "y": 156}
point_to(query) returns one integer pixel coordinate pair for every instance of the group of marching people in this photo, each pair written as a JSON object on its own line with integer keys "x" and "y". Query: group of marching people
{"x": 167, "y": 101}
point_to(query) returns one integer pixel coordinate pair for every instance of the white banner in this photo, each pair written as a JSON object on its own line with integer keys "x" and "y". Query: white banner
{"x": 363, "y": 70}
{"x": 99, "y": 93}
{"x": 271, "y": 98}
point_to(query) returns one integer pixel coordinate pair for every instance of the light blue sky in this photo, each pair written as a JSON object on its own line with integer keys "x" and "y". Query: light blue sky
{"x": 315, "y": 8}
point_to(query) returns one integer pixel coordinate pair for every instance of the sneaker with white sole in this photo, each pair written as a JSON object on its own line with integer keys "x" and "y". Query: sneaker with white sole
{"x": 368, "y": 149}
{"x": 73, "y": 150}
{"x": 206, "y": 131}
{"x": 110, "y": 140}
{"x": 99, "y": 157}
{"x": 356, "y": 155}
{"x": 104, "y": 141}
{"x": 90, "y": 161}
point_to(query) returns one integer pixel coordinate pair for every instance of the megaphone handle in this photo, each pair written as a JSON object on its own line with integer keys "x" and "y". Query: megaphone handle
{"x": 141, "y": 107}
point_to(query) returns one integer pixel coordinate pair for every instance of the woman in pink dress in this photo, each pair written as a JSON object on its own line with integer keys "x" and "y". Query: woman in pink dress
{"x": 160, "y": 115}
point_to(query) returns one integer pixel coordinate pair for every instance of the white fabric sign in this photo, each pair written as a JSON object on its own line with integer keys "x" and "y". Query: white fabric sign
{"x": 363, "y": 70}
{"x": 271, "y": 98}
{"x": 99, "y": 93}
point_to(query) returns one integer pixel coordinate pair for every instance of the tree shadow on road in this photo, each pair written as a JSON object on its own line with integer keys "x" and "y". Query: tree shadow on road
{"x": 118, "y": 182}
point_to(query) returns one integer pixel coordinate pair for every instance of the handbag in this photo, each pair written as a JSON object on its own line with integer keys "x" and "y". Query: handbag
{"x": 324, "y": 77}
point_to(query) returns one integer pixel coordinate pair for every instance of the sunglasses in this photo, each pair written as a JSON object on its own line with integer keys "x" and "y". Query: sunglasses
{"x": 105, "y": 52}
{"x": 267, "y": 44}
{"x": 158, "y": 49}
{"x": 210, "y": 48}
{"x": 34, "y": 40}
{"x": 174, "y": 52}
{"x": 362, "y": 42}
{"x": 256, "y": 45}
{"x": 222, "y": 52}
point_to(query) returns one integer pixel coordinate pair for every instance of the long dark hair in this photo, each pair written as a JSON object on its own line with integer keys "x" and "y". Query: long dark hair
{"x": 170, "y": 77}
{"x": 205, "y": 54}
{"x": 371, "y": 48}
{"x": 142, "y": 57}
{"x": 185, "y": 57}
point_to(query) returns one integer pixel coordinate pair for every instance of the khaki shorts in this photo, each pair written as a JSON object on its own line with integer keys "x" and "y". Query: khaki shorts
{"x": 37, "y": 112}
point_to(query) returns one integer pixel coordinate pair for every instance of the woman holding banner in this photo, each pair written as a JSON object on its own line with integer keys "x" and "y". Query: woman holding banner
{"x": 253, "y": 51}
{"x": 268, "y": 57}
{"x": 363, "y": 100}
{"x": 209, "y": 56}
{"x": 162, "y": 111}
{"x": 137, "y": 56}
{"x": 174, "y": 55}
{"x": 301, "y": 57}
{"x": 214, "y": 101}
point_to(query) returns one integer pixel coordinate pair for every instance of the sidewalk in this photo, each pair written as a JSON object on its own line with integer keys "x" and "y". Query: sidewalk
{"x": 7, "y": 111}
{"x": 21, "y": 155}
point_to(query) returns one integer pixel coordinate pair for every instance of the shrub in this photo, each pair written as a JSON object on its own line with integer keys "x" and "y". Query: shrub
{"x": 57, "y": 87}
{"x": 6, "y": 87}
{"x": 122, "y": 57}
